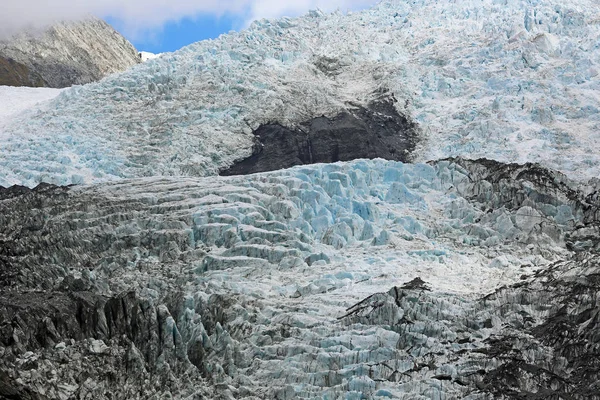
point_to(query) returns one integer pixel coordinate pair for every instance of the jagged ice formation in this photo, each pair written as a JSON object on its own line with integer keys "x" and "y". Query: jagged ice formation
{"x": 267, "y": 286}
{"x": 470, "y": 278}
{"x": 513, "y": 80}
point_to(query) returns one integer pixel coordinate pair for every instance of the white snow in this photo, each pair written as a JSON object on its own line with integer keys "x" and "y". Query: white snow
{"x": 146, "y": 55}
{"x": 514, "y": 80}
{"x": 14, "y": 100}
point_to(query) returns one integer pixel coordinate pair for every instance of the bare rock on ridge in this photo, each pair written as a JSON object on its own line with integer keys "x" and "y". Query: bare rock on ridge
{"x": 66, "y": 54}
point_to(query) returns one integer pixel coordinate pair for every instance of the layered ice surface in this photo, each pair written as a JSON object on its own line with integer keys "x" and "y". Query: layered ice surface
{"x": 516, "y": 80}
{"x": 305, "y": 282}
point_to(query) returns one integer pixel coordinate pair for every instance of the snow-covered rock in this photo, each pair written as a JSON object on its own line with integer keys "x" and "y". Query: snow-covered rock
{"x": 66, "y": 54}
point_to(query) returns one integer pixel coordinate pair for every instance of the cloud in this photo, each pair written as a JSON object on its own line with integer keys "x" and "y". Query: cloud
{"x": 146, "y": 15}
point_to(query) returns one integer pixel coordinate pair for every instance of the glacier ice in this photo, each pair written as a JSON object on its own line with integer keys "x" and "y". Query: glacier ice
{"x": 14, "y": 100}
{"x": 298, "y": 283}
{"x": 446, "y": 278}
{"x": 515, "y": 80}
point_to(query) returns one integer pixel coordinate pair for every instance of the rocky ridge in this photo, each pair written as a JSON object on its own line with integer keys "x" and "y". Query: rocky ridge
{"x": 66, "y": 54}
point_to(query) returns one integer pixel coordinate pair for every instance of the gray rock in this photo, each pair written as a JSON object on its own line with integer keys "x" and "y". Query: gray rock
{"x": 378, "y": 131}
{"x": 66, "y": 54}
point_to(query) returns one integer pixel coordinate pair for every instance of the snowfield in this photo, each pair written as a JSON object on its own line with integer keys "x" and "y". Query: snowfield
{"x": 513, "y": 80}
{"x": 14, "y": 100}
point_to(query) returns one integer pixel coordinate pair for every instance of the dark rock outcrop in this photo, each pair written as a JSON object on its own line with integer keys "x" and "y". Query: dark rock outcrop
{"x": 377, "y": 131}
{"x": 13, "y": 73}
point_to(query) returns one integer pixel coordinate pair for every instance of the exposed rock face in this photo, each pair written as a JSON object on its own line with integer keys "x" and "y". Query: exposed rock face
{"x": 13, "y": 73}
{"x": 377, "y": 131}
{"x": 457, "y": 279}
{"x": 70, "y": 53}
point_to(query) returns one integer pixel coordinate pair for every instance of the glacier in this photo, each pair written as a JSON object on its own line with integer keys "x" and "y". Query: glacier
{"x": 515, "y": 80}
{"x": 464, "y": 268}
{"x": 364, "y": 279}
{"x": 15, "y": 100}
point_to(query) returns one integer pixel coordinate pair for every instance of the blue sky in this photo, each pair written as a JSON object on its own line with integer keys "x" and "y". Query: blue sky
{"x": 176, "y": 34}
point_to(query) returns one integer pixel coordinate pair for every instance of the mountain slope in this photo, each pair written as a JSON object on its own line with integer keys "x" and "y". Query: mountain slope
{"x": 514, "y": 80}
{"x": 69, "y": 53}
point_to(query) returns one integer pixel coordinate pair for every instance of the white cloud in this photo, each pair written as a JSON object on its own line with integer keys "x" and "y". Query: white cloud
{"x": 145, "y": 15}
